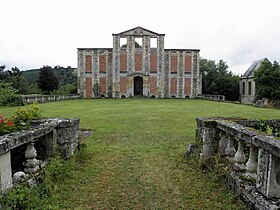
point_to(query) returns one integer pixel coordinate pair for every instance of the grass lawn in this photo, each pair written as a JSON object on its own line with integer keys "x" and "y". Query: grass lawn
{"x": 135, "y": 157}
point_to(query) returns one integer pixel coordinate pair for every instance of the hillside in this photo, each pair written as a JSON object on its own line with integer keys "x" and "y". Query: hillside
{"x": 65, "y": 75}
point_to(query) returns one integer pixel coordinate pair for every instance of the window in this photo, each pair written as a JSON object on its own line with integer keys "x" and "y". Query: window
{"x": 138, "y": 43}
{"x": 153, "y": 42}
{"x": 249, "y": 88}
{"x": 243, "y": 88}
{"x": 123, "y": 42}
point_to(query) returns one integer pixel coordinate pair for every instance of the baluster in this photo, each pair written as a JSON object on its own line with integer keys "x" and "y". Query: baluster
{"x": 251, "y": 165}
{"x": 222, "y": 143}
{"x": 32, "y": 164}
{"x": 230, "y": 151}
{"x": 239, "y": 156}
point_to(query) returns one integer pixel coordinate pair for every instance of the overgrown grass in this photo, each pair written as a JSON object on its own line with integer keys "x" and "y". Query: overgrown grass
{"x": 135, "y": 157}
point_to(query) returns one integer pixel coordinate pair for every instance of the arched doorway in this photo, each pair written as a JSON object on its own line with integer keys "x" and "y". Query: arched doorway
{"x": 138, "y": 85}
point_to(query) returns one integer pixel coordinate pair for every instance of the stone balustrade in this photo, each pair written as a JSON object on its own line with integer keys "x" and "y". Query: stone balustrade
{"x": 29, "y": 99}
{"x": 28, "y": 150}
{"x": 211, "y": 97}
{"x": 253, "y": 155}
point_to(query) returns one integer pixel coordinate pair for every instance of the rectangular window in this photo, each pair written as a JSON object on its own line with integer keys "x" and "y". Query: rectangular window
{"x": 249, "y": 88}
{"x": 102, "y": 63}
{"x": 138, "y": 42}
{"x": 88, "y": 63}
{"x": 153, "y": 42}
{"x": 174, "y": 63}
{"x": 243, "y": 88}
{"x": 123, "y": 42}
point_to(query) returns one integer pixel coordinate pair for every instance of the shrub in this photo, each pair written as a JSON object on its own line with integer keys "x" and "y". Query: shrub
{"x": 6, "y": 125}
{"x": 24, "y": 116}
{"x": 9, "y": 96}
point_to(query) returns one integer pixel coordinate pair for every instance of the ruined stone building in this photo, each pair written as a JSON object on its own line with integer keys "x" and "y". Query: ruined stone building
{"x": 138, "y": 64}
{"x": 247, "y": 84}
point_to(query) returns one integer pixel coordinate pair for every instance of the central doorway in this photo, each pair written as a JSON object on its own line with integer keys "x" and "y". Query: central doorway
{"x": 138, "y": 85}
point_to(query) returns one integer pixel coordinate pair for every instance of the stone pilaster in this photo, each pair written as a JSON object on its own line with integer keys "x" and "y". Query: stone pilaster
{"x": 116, "y": 67}
{"x": 195, "y": 74}
{"x": 95, "y": 74}
{"x": 180, "y": 86}
{"x": 160, "y": 70}
{"x": 130, "y": 54}
{"x": 166, "y": 75}
{"x": 146, "y": 55}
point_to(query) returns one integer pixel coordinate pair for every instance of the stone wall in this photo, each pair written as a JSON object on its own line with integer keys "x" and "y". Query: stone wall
{"x": 229, "y": 138}
{"x": 29, "y": 99}
{"x": 28, "y": 150}
{"x": 211, "y": 97}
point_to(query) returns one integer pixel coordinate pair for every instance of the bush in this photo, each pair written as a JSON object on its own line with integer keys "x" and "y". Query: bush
{"x": 6, "y": 125}
{"x": 9, "y": 96}
{"x": 24, "y": 116}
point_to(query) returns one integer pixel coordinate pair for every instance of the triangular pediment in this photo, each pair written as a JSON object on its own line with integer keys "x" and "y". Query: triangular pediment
{"x": 139, "y": 31}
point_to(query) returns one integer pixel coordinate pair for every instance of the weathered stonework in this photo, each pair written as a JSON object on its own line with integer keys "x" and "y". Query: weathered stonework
{"x": 140, "y": 68}
{"x": 260, "y": 164}
{"x": 28, "y": 150}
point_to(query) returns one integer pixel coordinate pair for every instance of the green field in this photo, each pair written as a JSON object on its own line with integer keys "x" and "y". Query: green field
{"x": 135, "y": 157}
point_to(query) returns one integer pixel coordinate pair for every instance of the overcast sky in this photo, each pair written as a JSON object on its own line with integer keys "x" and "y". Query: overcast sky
{"x": 48, "y": 32}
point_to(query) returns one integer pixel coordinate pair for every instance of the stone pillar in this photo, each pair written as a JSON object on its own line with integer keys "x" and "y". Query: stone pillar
{"x": 95, "y": 74}
{"x": 51, "y": 143}
{"x": 209, "y": 134}
{"x": 160, "y": 64}
{"x": 130, "y": 54}
{"x": 180, "y": 86}
{"x": 116, "y": 67}
{"x": 166, "y": 75}
{"x": 81, "y": 73}
{"x": 32, "y": 164}
{"x": 146, "y": 54}
{"x": 195, "y": 74}
{"x": 5, "y": 172}
{"x": 268, "y": 173}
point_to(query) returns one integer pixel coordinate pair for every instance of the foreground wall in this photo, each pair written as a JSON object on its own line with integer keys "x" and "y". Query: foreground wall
{"x": 229, "y": 138}
{"x": 28, "y": 150}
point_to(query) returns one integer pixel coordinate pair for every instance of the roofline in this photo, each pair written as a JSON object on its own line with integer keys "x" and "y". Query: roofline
{"x": 182, "y": 49}
{"x": 95, "y": 48}
{"x": 142, "y": 29}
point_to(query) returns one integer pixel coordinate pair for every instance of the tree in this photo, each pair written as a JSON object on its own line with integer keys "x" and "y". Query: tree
{"x": 16, "y": 78}
{"x": 218, "y": 80}
{"x": 267, "y": 80}
{"x": 136, "y": 45}
{"x": 47, "y": 80}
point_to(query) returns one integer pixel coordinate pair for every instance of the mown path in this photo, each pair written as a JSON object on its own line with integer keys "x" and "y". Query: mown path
{"x": 135, "y": 157}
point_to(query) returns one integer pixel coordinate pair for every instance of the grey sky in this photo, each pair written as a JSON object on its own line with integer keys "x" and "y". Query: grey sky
{"x": 47, "y": 32}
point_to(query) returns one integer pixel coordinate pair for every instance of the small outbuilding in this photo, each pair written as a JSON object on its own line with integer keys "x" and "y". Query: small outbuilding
{"x": 247, "y": 84}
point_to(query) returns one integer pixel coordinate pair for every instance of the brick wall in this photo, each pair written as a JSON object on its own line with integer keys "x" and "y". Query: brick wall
{"x": 187, "y": 87}
{"x": 88, "y": 63}
{"x": 123, "y": 60}
{"x": 123, "y": 85}
{"x": 153, "y": 85}
{"x": 102, "y": 63}
{"x": 173, "y": 86}
{"x": 138, "y": 62}
{"x": 102, "y": 83}
{"x": 88, "y": 87}
{"x": 188, "y": 63}
{"x": 153, "y": 62}
{"x": 174, "y": 63}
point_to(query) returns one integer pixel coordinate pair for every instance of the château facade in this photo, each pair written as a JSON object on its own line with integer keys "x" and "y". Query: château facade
{"x": 134, "y": 67}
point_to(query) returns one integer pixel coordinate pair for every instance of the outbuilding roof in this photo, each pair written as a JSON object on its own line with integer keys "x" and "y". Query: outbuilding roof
{"x": 253, "y": 67}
